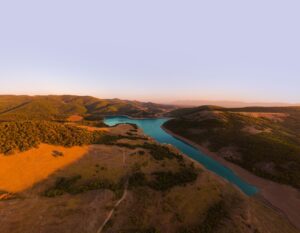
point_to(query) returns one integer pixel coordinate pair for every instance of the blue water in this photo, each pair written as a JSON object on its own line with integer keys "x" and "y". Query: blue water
{"x": 152, "y": 127}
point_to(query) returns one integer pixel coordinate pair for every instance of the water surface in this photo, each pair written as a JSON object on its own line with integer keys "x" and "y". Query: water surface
{"x": 152, "y": 127}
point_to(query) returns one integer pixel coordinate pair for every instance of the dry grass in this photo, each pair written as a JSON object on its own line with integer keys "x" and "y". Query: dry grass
{"x": 254, "y": 131}
{"x": 89, "y": 128}
{"x": 85, "y": 212}
{"x": 192, "y": 201}
{"x": 21, "y": 171}
{"x": 278, "y": 117}
{"x": 269, "y": 221}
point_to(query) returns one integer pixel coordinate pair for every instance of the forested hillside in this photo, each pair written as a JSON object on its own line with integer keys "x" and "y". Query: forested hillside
{"x": 265, "y": 141}
{"x": 24, "y": 135}
{"x": 60, "y": 107}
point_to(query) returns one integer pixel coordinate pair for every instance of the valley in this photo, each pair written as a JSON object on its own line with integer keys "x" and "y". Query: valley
{"x": 65, "y": 170}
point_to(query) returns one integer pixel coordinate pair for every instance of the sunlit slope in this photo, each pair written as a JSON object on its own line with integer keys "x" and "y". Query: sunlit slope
{"x": 22, "y": 171}
{"x": 61, "y": 107}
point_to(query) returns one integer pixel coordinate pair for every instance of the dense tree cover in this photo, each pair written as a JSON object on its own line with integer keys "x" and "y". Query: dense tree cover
{"x": 138, "y": 179}
{"x": 164, "y": 180}
{"x": 23, "y": 135}
{"x": 273, "y": 152}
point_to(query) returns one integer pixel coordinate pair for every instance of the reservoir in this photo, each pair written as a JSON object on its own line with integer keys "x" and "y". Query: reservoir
{"x": 152, "y": 128}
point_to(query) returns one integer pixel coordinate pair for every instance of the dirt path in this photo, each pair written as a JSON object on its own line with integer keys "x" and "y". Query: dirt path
{"x": 111, "y": 213}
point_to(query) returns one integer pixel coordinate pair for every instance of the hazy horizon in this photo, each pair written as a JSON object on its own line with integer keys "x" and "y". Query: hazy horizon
{"x": 185, "y": 102}
{"x": 159, "y": 51}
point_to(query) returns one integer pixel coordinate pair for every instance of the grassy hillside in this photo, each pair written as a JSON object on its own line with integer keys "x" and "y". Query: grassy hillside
{"x": 265, "y": 141}
{"x": 61, "y": 107}
{"x": 158, "y": 190}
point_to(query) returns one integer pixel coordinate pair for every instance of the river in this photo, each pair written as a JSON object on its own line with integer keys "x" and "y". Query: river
{"x": 153, "y": 128}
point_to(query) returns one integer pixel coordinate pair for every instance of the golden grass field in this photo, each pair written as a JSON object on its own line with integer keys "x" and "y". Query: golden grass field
{"x": 23, "y": 170}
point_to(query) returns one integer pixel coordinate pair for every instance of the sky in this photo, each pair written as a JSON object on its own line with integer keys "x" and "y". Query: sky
{"x": 158, "y": 50}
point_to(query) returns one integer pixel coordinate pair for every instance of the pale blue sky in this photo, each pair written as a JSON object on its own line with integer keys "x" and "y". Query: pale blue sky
{"x": 160, "y": 50}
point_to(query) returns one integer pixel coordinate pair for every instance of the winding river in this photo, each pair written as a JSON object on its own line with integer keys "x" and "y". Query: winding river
{"x": 152, "y": 128}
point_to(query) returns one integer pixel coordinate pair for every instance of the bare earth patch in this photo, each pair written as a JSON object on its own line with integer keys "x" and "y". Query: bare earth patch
{"x": 75, "y": 118}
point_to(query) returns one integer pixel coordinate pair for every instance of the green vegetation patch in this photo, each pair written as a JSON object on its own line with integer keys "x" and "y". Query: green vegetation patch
{"x": 164, "y": 180}
{"x": 138, "y": 179}
{"x": 24, "y": 135}
{"x": 62, "y": 185}
{"x": 69, "y": 185}
{"x": 159, "y": 152}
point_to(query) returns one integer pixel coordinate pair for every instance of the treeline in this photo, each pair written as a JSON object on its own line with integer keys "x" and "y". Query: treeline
{"x": 24, "y": 135}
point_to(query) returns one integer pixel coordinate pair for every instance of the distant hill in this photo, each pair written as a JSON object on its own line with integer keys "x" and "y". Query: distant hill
{"x": 230, "y": 104}
{"x": 60, "y": 107}
{"x": 263, "y": 140}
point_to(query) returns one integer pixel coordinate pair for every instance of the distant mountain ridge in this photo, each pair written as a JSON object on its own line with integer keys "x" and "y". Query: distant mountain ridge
{"x": 231, "y": 104}
{"x": 58, "y": 107}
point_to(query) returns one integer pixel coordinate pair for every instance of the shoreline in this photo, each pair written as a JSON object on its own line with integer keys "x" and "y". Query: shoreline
{"x": 280, "y": 197}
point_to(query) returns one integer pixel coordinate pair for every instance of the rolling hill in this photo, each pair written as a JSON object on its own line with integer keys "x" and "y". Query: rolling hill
{"x": 230, "y": 104}
{"x": 263, "y": 140}
{"x": 60, "y": 172}
{"x": 128, "y": 184}
{"x": 61, "y": 107}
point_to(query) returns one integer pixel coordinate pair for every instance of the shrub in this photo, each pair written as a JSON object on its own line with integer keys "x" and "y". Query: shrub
{"x": 62, "y": 186}
{"x": 137, "y": 179}
{"x": 166, "y": 180}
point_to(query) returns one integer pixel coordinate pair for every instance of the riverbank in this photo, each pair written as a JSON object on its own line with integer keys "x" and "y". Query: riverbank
{"x": 283, "y": 198}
